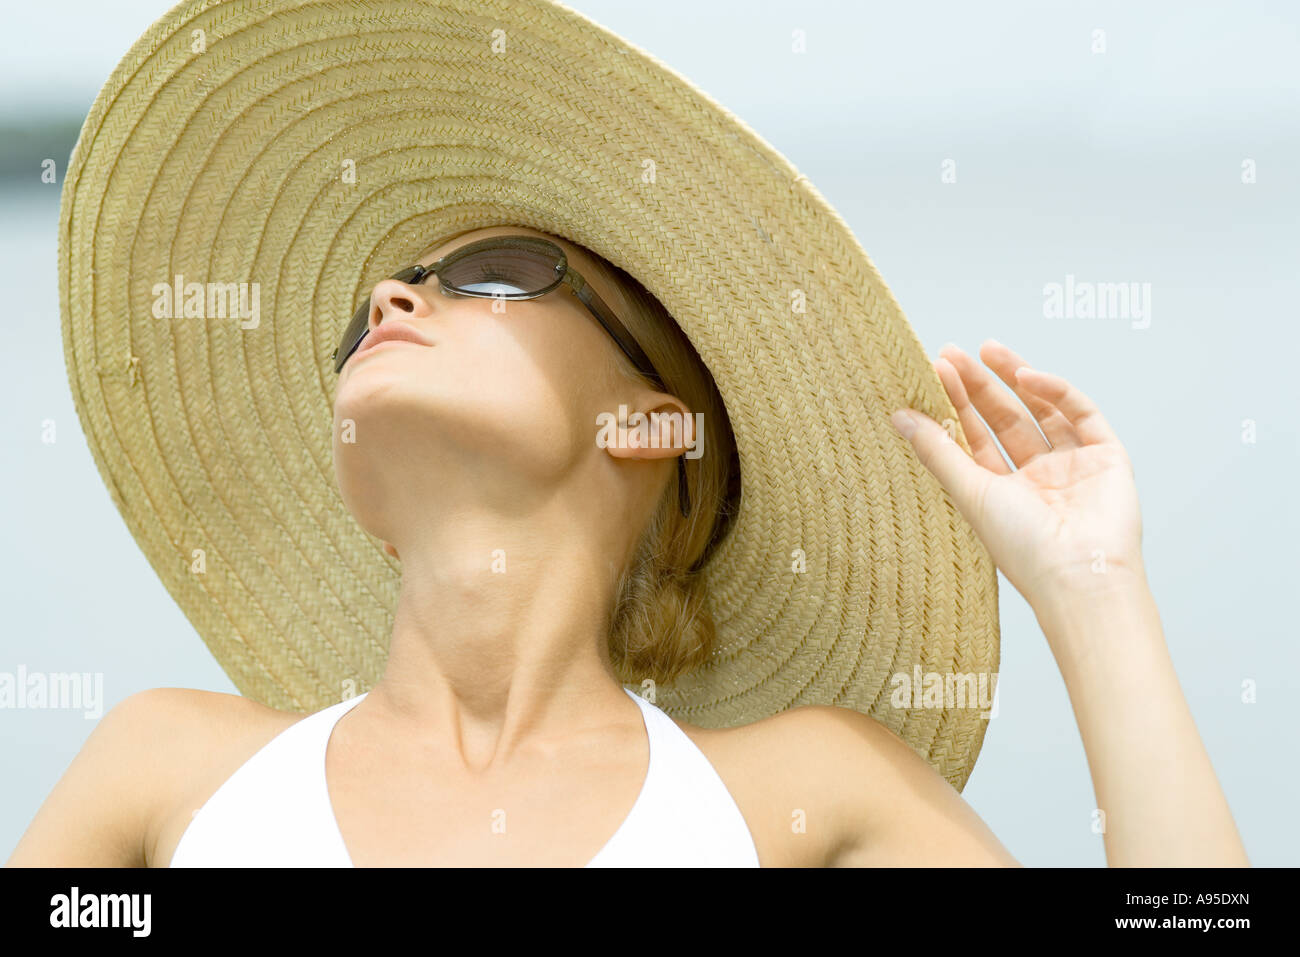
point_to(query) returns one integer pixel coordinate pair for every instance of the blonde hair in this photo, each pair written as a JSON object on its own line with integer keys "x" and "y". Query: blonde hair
{"x": 660, "y": 627}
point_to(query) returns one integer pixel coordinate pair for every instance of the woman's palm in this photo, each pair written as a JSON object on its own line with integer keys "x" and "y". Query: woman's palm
{"x": 1067, "y": 512}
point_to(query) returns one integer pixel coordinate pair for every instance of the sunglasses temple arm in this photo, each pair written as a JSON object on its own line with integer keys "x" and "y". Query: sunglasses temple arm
{"x": 618, "y": 332}
{"x": 605, "y": 316}
{"x": 683, "y": 494}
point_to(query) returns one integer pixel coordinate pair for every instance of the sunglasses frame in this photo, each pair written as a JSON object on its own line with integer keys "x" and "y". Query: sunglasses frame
{"x": 564, "y": 275}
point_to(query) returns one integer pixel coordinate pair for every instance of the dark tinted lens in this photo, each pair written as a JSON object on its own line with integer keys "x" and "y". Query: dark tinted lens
{"x": 518, "y": 267}
{"x": 513, "y": 271}
{"x": 352, "y": 335}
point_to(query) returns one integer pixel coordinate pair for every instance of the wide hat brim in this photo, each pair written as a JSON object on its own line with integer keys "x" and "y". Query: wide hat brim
{"x": 312, "y": 149}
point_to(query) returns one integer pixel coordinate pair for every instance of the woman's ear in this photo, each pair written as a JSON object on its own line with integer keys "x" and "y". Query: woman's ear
{"x": 661, "y": 427}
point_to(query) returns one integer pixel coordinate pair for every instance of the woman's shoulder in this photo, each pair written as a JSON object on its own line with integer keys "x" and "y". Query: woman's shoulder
{"x": 194, "y": 741}
{"x": 804, "y": 737}
{"x": 877, "y": 801}
{"x": 145, "y": 758}
{"x": 179, "y": 721}
{"x": 794, "y": 776}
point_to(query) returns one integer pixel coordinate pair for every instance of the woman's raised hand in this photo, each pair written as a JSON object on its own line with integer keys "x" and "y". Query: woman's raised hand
{"x": 1065, "y": 518}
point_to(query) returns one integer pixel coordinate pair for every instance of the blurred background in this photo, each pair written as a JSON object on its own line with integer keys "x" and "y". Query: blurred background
{"x": 980, "y": 153}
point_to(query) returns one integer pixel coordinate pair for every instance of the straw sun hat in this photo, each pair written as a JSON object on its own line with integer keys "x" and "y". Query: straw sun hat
{"x": 304, "y": 151}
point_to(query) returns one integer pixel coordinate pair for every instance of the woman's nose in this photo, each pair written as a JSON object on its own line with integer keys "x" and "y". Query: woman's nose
{"x": 391, "y": 297}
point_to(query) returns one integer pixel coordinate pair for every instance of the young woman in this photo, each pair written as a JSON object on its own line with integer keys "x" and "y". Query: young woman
{"x": 499, "y": 733}
{"x": 435, "y": 670}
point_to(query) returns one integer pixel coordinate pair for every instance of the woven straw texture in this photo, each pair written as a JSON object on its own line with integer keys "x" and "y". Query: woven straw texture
{"x": 220, "y": 156}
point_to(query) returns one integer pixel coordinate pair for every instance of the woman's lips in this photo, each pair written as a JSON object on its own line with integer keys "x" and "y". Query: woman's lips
{"x": 382, "y": 344}
{"x": 394, "y": 331}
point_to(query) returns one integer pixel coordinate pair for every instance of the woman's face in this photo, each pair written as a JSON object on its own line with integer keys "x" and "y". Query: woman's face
{"x": 499, "y": 408}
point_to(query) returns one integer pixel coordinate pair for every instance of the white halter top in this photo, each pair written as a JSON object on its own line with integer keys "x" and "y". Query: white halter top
{"x": 275, "y": 810}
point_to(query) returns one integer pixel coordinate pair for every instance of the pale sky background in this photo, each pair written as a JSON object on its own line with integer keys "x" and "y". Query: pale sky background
{"x": 1119, "y": 167}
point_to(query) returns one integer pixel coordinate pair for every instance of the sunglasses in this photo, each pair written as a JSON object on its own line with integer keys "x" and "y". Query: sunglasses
{"x": 513, "y": 267}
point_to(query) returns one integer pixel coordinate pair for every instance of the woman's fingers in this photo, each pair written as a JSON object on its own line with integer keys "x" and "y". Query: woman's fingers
{"x": 983, "y": 449}
{"x": 1089, "y": 424}
{"x": 1010, "y": 422}
{"x": 964, "y": 479}
{"x": 1005, "y": 361}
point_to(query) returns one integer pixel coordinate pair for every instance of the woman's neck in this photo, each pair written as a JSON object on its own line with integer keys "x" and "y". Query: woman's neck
{"x": 499, "y": 638}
